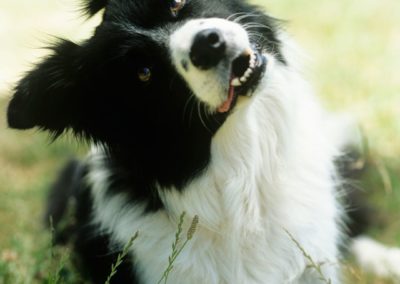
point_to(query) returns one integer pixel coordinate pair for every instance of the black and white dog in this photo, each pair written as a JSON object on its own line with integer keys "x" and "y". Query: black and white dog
{"x": 193, "y": 106}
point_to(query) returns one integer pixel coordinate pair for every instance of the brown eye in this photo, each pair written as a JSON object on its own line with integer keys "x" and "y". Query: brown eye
{"x": 144, "y": 74}
{"x": 176, "y": 6}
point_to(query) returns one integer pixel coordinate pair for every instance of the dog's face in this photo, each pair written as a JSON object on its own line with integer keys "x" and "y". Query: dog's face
{"x": 158, "y": 77}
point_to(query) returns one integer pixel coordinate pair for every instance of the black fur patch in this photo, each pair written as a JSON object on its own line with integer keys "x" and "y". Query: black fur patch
{"x": 153, "y": 131}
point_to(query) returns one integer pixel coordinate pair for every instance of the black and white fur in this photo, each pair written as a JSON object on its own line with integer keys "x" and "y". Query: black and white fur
{"x": 257, "y": 167}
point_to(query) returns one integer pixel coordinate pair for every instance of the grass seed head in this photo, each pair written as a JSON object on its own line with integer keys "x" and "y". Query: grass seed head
{"x": 192, "y": 228}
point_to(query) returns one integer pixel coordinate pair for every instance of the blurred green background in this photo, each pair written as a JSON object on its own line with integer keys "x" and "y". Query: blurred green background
{"x": 354, "y": 61}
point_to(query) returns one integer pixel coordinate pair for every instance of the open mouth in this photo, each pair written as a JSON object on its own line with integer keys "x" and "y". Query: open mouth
{"x": 246, "y": 73}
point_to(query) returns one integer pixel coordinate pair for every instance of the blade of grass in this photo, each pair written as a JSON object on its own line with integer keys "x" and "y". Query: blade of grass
{"x": 120, "y": 258}
{"x": 176, "y": 250}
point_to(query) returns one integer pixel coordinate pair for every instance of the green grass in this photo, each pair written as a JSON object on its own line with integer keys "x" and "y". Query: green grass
{"x": 120, "y": 258}
{"x": 354, "y": 48}
{"x": 179, "y": 244}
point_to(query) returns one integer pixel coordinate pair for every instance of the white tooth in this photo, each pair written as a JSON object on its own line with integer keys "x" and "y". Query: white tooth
{"x": 248, "y": 72}
{"x": 243, "y": 79}
{"x": 252, "y": 58}
{"x": 236, "y": 83}
{"x": 253, "y": 61}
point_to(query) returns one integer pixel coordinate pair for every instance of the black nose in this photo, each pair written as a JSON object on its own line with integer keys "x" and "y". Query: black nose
{"x": 208, "y": 48}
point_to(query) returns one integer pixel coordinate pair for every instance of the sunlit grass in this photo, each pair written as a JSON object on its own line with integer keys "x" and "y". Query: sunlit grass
{"x": 355, "y": 55}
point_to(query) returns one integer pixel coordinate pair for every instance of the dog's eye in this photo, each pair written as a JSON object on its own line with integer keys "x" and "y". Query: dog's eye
{"x": 176, "y": 6}
{"x": 144, "y": 74}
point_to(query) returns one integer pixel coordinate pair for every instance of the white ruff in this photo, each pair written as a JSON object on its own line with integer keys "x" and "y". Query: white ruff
{"x": 271, "y": 174}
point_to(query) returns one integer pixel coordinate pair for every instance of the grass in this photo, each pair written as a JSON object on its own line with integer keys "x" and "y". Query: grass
{"x": 354, "y": 48}
{"x": 178, "y": 246}
{"x": 120, "y": 258}
{"x": 312, "y": 264}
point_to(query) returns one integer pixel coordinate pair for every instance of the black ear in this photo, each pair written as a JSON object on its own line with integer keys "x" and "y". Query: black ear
{"x": 91, "y": 7}
{"x": 47, "y": 96}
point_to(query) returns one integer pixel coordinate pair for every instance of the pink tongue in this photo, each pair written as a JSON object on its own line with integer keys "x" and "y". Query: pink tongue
{"x": 227, "y": 104}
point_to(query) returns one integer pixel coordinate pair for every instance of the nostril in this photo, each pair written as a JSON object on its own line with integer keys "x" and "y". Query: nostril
{"x": 208, "y": 48}
{"x": 213, "y": 39}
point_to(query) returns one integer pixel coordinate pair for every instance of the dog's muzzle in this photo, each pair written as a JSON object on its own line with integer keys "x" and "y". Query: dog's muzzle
{"x": 217, "y": 60}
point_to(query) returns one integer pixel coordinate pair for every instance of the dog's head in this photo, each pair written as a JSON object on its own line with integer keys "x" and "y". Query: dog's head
{"x": 156, "y": 73}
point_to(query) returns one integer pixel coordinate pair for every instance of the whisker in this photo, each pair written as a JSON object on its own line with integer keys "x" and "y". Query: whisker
{"x": 190, "y": 99}
{"x": 207, "y": 112}
{"x": 191, "y": 112}
{"x": 247, "y": 15}
{"x": 234, "y": 15}
{"x": 201, "y": 117}
{"x": 211, "y": 113}
{"x": 256, "y": 25}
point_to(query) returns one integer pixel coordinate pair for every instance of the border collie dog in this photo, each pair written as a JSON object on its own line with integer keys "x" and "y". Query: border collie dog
{"x": 193, "y": 106}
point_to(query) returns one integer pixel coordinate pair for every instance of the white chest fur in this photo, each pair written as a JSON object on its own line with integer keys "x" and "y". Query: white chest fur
{"x": 269, "y": 180}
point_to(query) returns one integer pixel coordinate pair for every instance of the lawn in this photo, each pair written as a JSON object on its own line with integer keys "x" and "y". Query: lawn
{"x": 354, "y": 56}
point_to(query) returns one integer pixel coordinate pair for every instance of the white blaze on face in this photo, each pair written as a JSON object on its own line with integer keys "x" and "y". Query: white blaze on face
{"x": 210, "y": 86}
